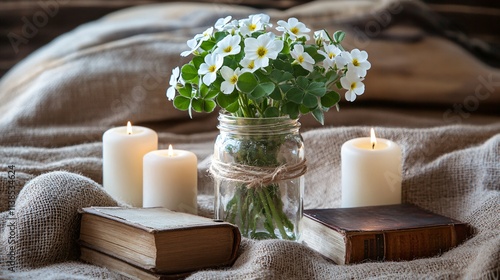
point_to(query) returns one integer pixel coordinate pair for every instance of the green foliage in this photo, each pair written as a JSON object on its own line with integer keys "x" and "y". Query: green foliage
{"x": 338, "y": 36}
{"x": 182, "y": 103}
{"x": 247, "y": 82}
{"x": 189, "y": 72}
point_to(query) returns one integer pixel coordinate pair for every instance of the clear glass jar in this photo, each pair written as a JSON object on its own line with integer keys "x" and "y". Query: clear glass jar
{"x": 258, "y": 166}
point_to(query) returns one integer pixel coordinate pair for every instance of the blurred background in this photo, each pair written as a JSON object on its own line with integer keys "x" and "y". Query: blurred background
{"x": 473, "y": 24}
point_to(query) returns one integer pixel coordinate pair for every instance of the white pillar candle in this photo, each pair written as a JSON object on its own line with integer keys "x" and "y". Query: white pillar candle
{"x": 123, "y": 149}
{"x": 371, "y": 172}
{"x": 171, "y": 180}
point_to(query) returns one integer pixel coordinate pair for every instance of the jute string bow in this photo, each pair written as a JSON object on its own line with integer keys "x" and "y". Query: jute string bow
{"x": 256, "y": 176}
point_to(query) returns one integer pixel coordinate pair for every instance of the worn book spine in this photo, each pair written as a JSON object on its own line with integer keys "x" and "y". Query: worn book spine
{"x": 402, "y": 244}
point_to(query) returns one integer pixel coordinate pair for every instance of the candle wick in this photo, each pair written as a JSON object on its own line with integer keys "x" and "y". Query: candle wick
{"x": 373, "y": 146}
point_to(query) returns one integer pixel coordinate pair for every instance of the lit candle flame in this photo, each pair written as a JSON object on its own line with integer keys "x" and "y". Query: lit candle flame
{"x": 170, "y": 152}
{"x": 373, "y": 138}
{"x": 129, "y": 128}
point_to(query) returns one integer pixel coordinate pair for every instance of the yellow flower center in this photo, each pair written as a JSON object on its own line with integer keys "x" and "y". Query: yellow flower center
{"x": 228, "y": 49}
{"x": 212, "y": 68}
{"x": 252, "y": 27}
{"x": 331, "y": 55}
{"x": 294, "y": 30}
{"x": 300, "y": 59}
{"x": 355, "y": 62}
{"x": 353, "y": 85}
{"x": 233, "y": 79}
{"x": 251, "y": 65}
{"x": 261, "y": 52}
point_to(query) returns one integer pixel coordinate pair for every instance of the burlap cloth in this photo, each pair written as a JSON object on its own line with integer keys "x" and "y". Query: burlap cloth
{"x": 57, "y": 103}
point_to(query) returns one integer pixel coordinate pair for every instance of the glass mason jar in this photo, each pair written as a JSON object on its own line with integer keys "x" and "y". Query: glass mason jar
{"x": 258, "y": 166}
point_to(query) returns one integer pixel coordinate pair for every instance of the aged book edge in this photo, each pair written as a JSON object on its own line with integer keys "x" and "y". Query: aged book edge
{"x": 122, "y": 267}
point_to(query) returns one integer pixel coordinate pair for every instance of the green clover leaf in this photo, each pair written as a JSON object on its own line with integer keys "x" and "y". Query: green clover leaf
{"x": 295, "y": 95}
{"x": 182, "y": 103}
{"x": 291, "y": 109}
{"x": 271, "y": 112}
{"x": 189, "y": 72}
{"x": 316, "y": 88}
{"x": 330, "y": 99}
{"x": 247, "y": 82}
{"x": 319, "y": 115}
{"x": 186, "y": 91}
{"x": 227, "y": 101}
{"x": 310, "y": 101}
{"x": 262, "y": 90}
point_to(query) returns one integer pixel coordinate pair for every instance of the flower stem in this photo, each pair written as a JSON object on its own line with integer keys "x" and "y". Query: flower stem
{"x": 267, "y": 211}
{"x": 274, "y": 216}
{"x": 243, "y": 102}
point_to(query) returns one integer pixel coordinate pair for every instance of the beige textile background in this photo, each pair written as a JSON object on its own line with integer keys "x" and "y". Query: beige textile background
{"x": 55, "y": 106}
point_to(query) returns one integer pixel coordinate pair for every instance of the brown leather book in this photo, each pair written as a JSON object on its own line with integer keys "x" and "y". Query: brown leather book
{"x": 380, "y": 233}
{"x": 159, "y": 240}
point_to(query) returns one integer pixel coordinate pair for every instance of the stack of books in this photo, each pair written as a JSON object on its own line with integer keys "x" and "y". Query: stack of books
{"x": 155, "y": 243}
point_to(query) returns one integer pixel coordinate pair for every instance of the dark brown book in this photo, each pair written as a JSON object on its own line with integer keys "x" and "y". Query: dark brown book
{"x": 159, "y": 240}
{"x": 380, "y": 233}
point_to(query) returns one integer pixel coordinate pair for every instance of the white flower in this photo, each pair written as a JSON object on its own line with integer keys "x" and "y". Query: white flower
{"x": 331, "y": 54}
{"x": 248, "y": 65}
{"x": 173, "y": 83}
{"x": 341, "y": 60}
{"x": 357, "y": 62}
{"x": 253, "y": 23}
{"x": 264, "y": 20}
{"x": 263, "y": 48}
{"x": 232, "y": 27}
{"x": 212, "y": 63}
{"x": 321, "y": 37}
{"x": 353, "y": 84}
{"x": 303, "y": 58}
{"x": 294, "y": 28}
{"x": 229, "y": 45}
{"x": 221, "y": 23}
{"x": 198, "y": 39}
{"x": 193, "y": 46}
{"x": 206, "y": 35}
{"x": 230, "y": 79}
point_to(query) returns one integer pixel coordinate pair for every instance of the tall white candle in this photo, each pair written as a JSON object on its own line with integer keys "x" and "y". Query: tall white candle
{"x": 171, "y": 180}
{"x": 371, "y": 172}
{"x": 123, "y": 149}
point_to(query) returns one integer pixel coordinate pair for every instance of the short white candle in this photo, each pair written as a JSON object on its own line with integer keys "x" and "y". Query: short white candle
{"x": 122, "y": 150}
{"x": 371, "y": 172}
{"x": 171, "y": 180}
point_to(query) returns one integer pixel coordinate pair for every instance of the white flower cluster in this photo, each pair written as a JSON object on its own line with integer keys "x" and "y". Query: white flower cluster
{"x": 355, "y": 61}
{"x": 240, "y": 35}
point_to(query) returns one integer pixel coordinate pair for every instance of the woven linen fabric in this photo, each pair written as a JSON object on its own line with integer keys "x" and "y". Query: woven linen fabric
{"x": 43, "y": 226}
{"x": 457, "y": 178}
{"x": 56, "y": 104}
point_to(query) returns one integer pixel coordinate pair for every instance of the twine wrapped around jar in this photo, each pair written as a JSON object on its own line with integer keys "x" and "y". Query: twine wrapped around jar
{"x": 256, "y": 176}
